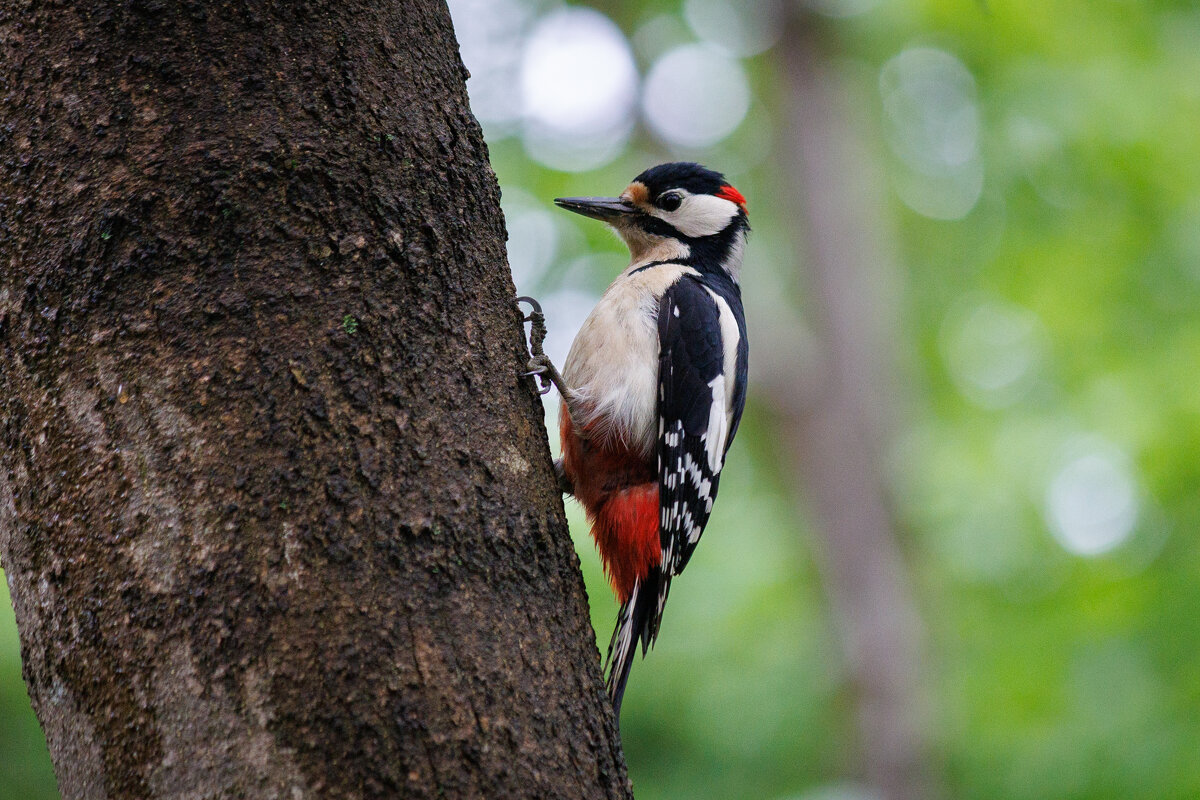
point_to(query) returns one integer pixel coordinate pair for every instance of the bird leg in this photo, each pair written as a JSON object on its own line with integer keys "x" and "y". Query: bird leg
{"x": 543, "y": 368}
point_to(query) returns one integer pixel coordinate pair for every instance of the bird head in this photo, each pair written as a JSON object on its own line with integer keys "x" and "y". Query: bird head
{"x": 675, "y": 212}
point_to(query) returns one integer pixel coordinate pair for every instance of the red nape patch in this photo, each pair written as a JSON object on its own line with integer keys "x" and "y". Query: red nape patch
{"x": 625, "y": 528}
{"x": 732, "y": 195}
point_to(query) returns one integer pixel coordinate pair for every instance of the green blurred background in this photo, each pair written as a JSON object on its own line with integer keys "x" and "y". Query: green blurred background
{"x": 1031, "y": 175}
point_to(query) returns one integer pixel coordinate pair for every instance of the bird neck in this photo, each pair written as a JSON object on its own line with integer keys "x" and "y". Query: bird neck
{"x": 731, "y": 260}
{"x": 646, "y": 247}
{"x": 717, "y": 255}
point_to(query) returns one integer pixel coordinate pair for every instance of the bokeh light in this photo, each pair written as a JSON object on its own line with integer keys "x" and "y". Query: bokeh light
{"x": 491, "y": 36}
{"x": 578, "y": 90}
{"x": 743, "y": 28}
{"x": 1092, "y": 503}
{"x": 993, "y": 350}
{"x": 838, "y": 791}
{"x": 695, "y": 96}
{"x": 533, "y": 237}
{"x": 931, "y": 120}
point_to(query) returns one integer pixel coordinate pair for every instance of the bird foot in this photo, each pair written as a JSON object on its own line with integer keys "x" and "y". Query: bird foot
{"x": 539, "y": 365}
{"x": 542, "y": 369}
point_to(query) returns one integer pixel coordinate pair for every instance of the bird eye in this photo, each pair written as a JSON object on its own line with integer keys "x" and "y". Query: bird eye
{"x": 669, "y": 201}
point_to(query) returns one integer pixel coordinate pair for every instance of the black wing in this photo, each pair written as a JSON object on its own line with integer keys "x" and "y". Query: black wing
{"x": 701, "y": 381}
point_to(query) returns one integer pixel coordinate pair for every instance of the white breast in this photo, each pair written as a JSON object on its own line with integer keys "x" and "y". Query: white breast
{"x": 613, "y": 363}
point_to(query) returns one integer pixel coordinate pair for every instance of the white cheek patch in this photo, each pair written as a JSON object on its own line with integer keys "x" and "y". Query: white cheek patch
{"x": 699, "y": 215}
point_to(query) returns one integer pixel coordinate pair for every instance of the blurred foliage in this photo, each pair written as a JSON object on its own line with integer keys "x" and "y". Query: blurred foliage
{"x": 25, "y": 772}
{"x": 1044, "y": 168}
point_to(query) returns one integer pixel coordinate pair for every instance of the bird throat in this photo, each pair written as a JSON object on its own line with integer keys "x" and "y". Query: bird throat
{"x": 645, "y": 246}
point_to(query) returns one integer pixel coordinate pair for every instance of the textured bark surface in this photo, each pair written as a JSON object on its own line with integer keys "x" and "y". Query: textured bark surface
{"x": 275, "y": 507}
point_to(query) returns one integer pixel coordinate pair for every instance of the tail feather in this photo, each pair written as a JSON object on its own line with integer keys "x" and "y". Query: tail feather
{"x": 637, "y": 618}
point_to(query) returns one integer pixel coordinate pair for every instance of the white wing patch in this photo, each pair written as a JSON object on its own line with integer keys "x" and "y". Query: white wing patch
{"x": 730, "y": 338}
{"x": 718, "y": 424}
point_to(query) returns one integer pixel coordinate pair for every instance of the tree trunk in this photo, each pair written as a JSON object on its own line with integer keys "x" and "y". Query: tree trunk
{"x": 836, "y": 425}
{"x": 276, "y": 509}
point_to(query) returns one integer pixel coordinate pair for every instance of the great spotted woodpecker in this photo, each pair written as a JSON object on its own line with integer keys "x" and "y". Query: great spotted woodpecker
{"x": 654, "y": 386}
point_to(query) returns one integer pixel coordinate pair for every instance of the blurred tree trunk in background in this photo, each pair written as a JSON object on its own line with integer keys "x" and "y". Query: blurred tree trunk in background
{"x": 276, "y": 509}
{"x": 837, "y": 414}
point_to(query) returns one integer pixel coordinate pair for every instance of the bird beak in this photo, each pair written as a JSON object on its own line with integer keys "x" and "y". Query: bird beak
{"x": 607, "y": 209}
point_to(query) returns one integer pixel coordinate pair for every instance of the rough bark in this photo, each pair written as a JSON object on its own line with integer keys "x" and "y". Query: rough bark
{"x": 275, "y": 507}
{"x": 835, "y": 414}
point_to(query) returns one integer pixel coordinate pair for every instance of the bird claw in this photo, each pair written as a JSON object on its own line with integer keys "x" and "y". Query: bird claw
{"x": 538, "y": 370}
{"x": 537, "y": 308}
{"x": 538, "y": 364}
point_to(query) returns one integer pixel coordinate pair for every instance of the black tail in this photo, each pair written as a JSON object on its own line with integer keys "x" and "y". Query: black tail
{"x": 638, "y": 618}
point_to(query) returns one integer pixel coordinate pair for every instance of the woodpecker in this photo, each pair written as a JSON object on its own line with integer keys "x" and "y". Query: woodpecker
{"x": 653, "y": 388}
